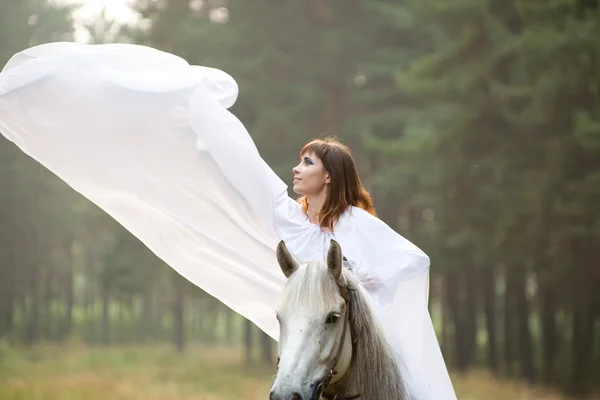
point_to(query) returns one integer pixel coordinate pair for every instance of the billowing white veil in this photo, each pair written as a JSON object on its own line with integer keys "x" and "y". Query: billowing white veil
{"x": 100, "y": 118}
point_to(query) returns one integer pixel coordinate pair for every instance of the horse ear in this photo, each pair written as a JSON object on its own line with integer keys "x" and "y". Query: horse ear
{"x": 287, "y": 263}
{"x": 335, "y": 259}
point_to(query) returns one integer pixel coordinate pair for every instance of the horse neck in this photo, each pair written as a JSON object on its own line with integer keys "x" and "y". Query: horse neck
{"x": 374, "y": 372}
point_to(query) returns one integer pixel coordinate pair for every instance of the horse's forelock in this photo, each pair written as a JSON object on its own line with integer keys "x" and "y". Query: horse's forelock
{"x": 313, "y": 286}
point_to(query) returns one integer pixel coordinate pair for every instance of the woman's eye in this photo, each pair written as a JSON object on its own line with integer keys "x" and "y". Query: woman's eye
{"x": 332, "y": 318}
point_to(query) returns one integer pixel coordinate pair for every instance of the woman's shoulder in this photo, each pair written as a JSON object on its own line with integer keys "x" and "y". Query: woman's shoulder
{"x": 357, "y": 215}
{"x": 374, "y": 231}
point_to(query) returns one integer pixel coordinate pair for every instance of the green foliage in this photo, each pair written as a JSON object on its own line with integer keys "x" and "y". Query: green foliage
{"x": 25, "y": 23}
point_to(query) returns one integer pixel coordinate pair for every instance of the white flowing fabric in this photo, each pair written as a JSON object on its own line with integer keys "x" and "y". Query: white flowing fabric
{"x": 200, "y": 196}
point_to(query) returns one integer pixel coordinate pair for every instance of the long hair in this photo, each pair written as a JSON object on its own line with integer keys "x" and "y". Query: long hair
{"x": 345, "y": 188}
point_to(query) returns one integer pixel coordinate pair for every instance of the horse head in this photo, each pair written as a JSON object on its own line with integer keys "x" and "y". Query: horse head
{"x": 315, "y": 342}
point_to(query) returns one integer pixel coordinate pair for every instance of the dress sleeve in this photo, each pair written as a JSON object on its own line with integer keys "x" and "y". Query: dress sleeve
{"x": 384, "y": 258}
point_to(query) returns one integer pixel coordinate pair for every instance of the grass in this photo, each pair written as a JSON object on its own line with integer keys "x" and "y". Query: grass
{"x": 149, "y": 373}
{"x": 159, "y": 373}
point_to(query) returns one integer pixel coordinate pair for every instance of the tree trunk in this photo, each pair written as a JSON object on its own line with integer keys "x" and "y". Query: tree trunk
{"x": 7, "y": 294}
{"x": 204, "y": 320}
{"x": 68, "y": 329}
{"x": 178, "y": 314}
{"x": 446, "y": 344}
{"x": 333, "y": 84}
{"x": 454, "y": 308}
{"x": 30, "y": 257}
{"x": 147, "y": 320}
{"x": 267, "y": 348}
{"x": 211, "y": 319}
{"x": 248, "y": 341}
{"x": 105, "y": 338}
{"x": 524, "y": 330}
{"x": 509, "y": 328}
{"x": 89, "y": 297}
{"x": 463, "y": 305}
{"x": 67, "y": 284}
{"x": 32, "y": 334}
{"x": 228, "y": 315}
{"x": 489, "y": 303}
{"x": 582, "y": 315}
{"x": 7, "y": 236}
{"x": 549, "y": 332}
{"x": 469, "y": 308}
{"x": 46, "y": 276}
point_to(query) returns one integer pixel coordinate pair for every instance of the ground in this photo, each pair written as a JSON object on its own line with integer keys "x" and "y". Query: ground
{"x": 159, "y": 373}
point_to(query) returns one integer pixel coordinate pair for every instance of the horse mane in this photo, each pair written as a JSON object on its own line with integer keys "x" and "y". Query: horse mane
{"x": 374, "y": 372}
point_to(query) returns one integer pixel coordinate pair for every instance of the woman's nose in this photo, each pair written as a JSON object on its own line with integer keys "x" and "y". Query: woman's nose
{"x": 295, "y": 170}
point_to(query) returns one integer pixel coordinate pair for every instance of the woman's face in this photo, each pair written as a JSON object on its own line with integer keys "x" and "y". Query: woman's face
{"x": 310, "y": 177}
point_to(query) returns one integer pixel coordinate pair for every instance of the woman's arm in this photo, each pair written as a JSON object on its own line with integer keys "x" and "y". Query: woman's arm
{"x": 384, "y": 259}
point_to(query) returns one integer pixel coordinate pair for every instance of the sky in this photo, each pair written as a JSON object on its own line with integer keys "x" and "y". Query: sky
{"x": 117, "y": 9}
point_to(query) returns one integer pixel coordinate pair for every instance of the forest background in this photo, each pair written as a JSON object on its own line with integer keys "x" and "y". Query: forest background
{"x": 475, "y": 125}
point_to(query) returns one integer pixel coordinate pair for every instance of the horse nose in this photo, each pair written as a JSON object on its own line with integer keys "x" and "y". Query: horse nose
{"x": 295, "y": 396}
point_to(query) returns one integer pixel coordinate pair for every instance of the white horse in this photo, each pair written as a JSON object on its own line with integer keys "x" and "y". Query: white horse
{"x": 330, "y": 345}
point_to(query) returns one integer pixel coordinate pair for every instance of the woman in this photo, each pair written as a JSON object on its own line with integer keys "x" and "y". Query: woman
{"x": 199, "y": 195}
{"x": 334, "y": 205}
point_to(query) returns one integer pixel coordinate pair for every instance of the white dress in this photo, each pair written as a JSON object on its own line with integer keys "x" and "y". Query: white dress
{"x": 200, "y": 196}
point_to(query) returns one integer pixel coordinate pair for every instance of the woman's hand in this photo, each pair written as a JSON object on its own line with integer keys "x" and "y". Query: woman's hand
{"x": 369, "y": 283}
{"x": 180, "y": 116}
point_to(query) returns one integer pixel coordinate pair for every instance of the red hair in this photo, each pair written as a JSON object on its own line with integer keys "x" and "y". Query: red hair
{"x": 345, "y": 189}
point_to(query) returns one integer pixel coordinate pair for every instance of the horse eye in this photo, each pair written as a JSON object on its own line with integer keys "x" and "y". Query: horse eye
{"x": 332, "y": 318}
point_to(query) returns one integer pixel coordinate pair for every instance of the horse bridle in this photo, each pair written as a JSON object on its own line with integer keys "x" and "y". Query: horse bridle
{"x": 320, "y": 387}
